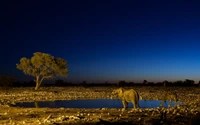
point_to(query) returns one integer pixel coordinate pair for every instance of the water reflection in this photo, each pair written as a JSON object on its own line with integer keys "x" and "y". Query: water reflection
{"x": 97, "y": 103}
{"x": 36, "y": 104}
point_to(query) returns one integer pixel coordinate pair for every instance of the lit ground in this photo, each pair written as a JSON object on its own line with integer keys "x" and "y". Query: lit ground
{"x": 34, "y": 116}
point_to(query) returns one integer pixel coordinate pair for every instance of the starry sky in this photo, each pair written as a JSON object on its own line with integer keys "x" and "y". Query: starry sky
{"x": 105, "y": 40}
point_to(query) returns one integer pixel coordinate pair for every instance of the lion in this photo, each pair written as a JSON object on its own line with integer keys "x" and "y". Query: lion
{"x": 170, "y": 97}
{"x": 127, "y": 96}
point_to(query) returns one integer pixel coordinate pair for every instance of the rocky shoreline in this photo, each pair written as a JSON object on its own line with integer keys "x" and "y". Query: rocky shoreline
{"x": 174, "y": 115}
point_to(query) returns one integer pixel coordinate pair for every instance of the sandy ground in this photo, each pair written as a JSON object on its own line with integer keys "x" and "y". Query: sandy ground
{"x": 176, "y": 115}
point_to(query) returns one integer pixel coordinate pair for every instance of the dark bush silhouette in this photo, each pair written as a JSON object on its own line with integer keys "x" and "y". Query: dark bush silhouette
{"x": 131, "y": 84}
{"x": 150, "y": 84}
{"x": 178, "y": 83}
{"x": 145, "y": 82}
{"x": 122, "y": 83}
{"x": 59, "y": 82}
{"x": 188, "y": 82}
{"x": 84, "y": 82}
{"x": 6, "y": 81}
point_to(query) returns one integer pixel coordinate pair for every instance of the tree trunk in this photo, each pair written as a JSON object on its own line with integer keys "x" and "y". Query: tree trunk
{"x": 37, "y": 86}
{"x": 38, "y": 82}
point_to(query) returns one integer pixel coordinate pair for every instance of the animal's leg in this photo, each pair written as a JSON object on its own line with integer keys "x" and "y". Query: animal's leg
{"x": 176, "y": 101}
{"x": 136, "y": 103}
{"x": 125, "y": 104}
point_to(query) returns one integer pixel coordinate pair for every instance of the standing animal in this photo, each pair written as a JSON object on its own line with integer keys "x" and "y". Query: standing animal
{"x": 127, "y": 96}
{"x": 170, "y": 97}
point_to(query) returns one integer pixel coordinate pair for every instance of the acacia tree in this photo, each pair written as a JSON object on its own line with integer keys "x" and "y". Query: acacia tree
{"x": 43, "y": 66}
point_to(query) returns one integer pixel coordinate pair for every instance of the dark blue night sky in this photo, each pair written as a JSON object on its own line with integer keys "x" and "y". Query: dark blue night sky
{"x": 105, "y": 40}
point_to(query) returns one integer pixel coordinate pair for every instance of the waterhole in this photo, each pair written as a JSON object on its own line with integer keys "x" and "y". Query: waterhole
{"x": 96, "y": 103}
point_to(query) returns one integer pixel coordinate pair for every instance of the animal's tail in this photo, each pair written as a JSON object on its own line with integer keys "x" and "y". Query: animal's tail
{"x": 140, "y": 97}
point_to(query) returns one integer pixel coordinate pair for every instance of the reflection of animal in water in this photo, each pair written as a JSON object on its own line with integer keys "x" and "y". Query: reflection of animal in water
{"x": 170, "y": 97}
{"x": 127, "y": 96}
{"x": 162, "y": 120}
{"x": 195, "y": 120}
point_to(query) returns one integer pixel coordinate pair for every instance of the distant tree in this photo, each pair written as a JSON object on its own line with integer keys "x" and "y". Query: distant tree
{"x": 6, "y": 81}
{"x": 43, "y": 66}
{"x": 188, "y": 82}
{"x": 159, "y": 84}
{"x": 198, "y": 83}
{"x": 165, "y": 83}
{"x": 106, "y": 82}
{"x": 16, "y": 84}
{"x": 151, "y": 83}
{"x": 122, "y": 83}
{"x": 131, "y": 83}
{"x": 84, "y": 82}
{"x": 145, "y": 82}
{"x": 59, "y": 82}
{"x": 67, "y": 83}
{"x": 31, "y": 83}
{"x": 178, "y": 83}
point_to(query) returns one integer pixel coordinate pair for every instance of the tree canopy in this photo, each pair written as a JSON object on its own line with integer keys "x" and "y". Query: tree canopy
{"x": 43, "y": 66}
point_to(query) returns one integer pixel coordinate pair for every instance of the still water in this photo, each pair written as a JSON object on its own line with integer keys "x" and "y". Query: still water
{"x": 96, "y": 103}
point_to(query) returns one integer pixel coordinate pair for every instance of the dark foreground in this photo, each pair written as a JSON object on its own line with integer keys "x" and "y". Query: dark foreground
{"x": 178, "y": 115}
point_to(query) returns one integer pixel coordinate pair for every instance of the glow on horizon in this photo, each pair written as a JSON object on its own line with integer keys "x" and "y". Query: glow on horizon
{"x": 103, "y": 42}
